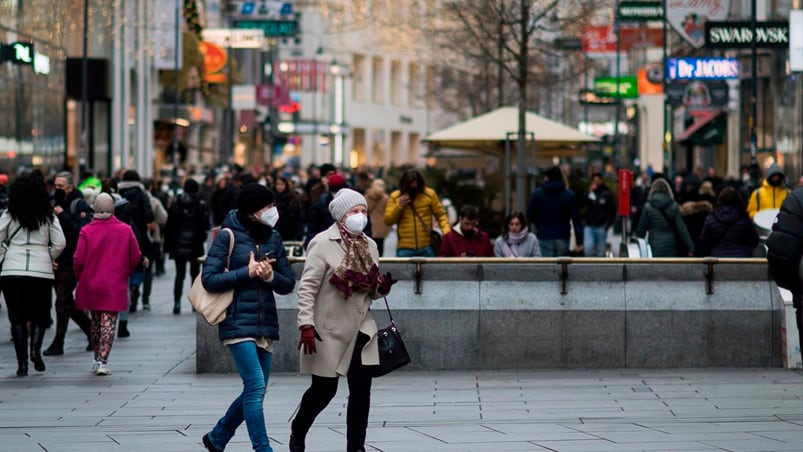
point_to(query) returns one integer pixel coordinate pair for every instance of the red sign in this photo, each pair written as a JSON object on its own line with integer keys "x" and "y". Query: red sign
{"x": 625, "y": 185}
{"x": 272, "y": 96}
{"x": 600, "y": 40}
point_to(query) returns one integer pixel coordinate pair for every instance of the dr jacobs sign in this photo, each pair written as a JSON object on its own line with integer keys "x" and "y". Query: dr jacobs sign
{"x": 735, "y": 35}
{"x": 702, "y": 68}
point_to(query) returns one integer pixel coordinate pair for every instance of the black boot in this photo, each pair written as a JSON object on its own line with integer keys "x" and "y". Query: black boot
{"x": 37, "y": 336}
{"x": 122, "y": 329}
{"x": 19, "y": 334}
{"x": 134, "y": 294}
{"x": 177, "y": 307}
{"x": 57, "y": 346}
{"x": 296, "y": 445}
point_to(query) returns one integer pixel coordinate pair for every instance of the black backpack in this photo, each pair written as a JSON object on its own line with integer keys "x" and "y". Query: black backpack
{"x": 785, "y": 243}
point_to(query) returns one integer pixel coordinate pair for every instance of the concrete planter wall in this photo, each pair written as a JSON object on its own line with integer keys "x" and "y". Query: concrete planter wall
{"x": 548, "y": 313}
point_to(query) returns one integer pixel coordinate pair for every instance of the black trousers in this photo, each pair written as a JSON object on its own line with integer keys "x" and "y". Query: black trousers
{"x": 181, "y": 273}
{"x": 323, "y": 390}
{"x": 65, "y": 283}
{"x": 28, "y": 299}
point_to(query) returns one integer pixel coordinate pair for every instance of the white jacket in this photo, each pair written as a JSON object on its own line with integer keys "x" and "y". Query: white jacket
{"x": 30, "y": 253}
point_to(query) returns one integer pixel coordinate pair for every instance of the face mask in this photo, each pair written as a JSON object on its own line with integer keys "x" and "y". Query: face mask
{"x": 59, "y": 195}
{"x": 356, "y": 223}
{"x": 270, "y": 217}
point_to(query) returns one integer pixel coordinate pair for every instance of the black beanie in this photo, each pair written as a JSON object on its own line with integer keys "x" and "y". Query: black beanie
{"x": 191, "y": 186}
{"x": 253, "y": 197}
{"x": 554, "y": 174}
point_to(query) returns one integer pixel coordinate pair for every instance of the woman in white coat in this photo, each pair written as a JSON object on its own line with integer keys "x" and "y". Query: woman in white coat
{"x": 338, "y": 333}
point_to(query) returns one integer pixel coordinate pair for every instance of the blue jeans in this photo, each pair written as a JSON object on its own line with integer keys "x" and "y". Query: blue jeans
{"x": 594, "y": 238}
{"x": 253, "y": 365}
{"x": 554, "y": 247}
{"x": 426, "y": 251}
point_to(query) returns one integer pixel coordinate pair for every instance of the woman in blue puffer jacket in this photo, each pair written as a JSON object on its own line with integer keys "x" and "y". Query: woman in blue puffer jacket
{"x": 258, "y": 268}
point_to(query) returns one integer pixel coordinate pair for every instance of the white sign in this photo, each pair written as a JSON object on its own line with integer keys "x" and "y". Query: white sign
{"x": 235, "y": 38}
{"x": 243, "y": 97}
{"x": 688, "y": 17}
{"x": 796, "y": 40}
{"x": 41, "y": 63}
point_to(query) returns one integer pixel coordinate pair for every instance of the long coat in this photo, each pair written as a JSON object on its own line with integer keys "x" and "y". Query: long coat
{"x": 337, "y": 320}
{"x": 377, "y": 203}
{"x": 106, "y": 255}
{"x": 663, "y": 239}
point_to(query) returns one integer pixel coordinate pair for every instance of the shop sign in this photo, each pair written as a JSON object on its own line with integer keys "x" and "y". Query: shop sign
{"x": 17, "y": 53}
{"x": 702, "y": 68}
{"x": 636, "y": 11}
{"x": 740, "y": 35}
{"x": 697, "y": 94}
{"x": 606, "y": 86}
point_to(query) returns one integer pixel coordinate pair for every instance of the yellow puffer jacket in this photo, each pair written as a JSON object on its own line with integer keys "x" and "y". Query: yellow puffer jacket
{"x": 766, "y": 197}
{"x": 413, "y": 234}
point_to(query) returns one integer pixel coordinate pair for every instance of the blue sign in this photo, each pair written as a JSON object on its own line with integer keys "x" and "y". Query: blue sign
{"x": 248, "y": 8}
{"x": 702, "y": 68}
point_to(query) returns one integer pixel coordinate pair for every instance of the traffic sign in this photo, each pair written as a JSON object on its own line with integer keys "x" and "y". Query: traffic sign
{"x": 271, "y": 28}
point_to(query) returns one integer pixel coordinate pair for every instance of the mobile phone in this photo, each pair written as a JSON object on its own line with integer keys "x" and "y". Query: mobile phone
{"x": 269, "y": 255}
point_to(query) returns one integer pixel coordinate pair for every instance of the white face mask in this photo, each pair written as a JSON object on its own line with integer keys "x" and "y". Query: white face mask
{"x": 356, "y": 223}
{"x": 270, "y": 216}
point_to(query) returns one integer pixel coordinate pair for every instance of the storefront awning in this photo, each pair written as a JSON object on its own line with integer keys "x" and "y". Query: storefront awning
{"x": 708, "y": 128}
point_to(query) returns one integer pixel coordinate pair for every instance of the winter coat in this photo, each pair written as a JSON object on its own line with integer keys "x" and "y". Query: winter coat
{"x": 337, "y": 320}
{"x": 377, "y": 204}
{"x": 456, "y": 244}
{"x": 138, "y": 213}
{"x": 413, "y": 232}
{"x": 75, "y": 214}
{"x": 550, "y": 209}
{"x": 159, "y": 218}
{"x": 30, "y": 253}
{"x": 600, "y": 207}
{"x": 785, "y": 243}
{"x": 289, "y": 224}
{"x": 694, "y": 214}
{"x": 186, "y": 228}
{"x": 728, "y": 232}
{"x": 663, "y": 239}
{"x": 767, "y": 196}
{"x": 527, "y": 248}
{"x": 106, "y": 256}
{"x": 252, "y": 314}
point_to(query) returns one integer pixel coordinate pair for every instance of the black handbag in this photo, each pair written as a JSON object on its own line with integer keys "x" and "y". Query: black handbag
{"x": 392, "y": 352}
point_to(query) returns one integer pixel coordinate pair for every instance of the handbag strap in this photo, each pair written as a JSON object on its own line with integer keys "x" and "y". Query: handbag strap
{"x": 387, "y": 306}
{"x": 428, "y": 228}
{"x": 231, "y": 246}
{"x": 8, "y": 239}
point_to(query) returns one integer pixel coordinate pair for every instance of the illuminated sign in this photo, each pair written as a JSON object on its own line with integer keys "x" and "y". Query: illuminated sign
{"x": 17, "y": 53}
{"x": 702, "y": 68}
{"x": 41, "y": 63}
{"x": 271, "y": 28}
{"x": 641, "y": 11}
{"x": 736, "y": 35}
{"x": 606, "y": 86}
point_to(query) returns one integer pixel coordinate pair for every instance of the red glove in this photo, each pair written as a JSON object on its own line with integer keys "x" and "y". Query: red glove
{"x": 385, "y": 283}
{"x": 307, "y": 339}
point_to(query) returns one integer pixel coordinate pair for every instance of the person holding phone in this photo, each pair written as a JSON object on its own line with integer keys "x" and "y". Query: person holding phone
{"x": 466, "y": 239}
{"x": 258, "y": 268}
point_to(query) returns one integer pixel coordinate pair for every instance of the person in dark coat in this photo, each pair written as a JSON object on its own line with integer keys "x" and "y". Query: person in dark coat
{"x": 600, "y": 213}
{"x": 137, "y": 213}
{"x": 73, "y": 213}
{"x": 661, "y": 218}
{"x": 258, "y": 268}
{"x": 552, "y": 209}
{"x": 728, "y": 231}
{"x": 694, "y": 211}
{"x": 290, "y": 225}
{"x": 185, "y": 232}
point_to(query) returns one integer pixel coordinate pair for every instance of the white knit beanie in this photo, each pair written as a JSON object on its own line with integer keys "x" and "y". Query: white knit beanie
{"x": 343, "y": 201}
{"x": 104, "y": 206}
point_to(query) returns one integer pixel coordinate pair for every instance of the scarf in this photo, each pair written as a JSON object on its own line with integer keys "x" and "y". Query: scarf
{"x": 512, "y": 242}
{"x": 357, "y": 271}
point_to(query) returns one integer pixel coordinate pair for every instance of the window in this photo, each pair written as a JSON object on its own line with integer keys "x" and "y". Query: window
{"x": 395, "y": 82}
{"x": 359, "y": 90}
{"x": 378, "y": 80}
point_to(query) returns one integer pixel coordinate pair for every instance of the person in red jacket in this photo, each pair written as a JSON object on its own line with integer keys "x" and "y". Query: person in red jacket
{"x": 466, "y": 239}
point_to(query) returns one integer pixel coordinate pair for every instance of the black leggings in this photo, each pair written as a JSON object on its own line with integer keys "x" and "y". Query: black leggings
{"x": 323, "y": 390}
{"x": 181, "y": 274}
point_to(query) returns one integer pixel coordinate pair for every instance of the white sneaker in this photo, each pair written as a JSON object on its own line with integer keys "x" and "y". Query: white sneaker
{"x": 95, "y": 365}
{"x": 102, "y": 370}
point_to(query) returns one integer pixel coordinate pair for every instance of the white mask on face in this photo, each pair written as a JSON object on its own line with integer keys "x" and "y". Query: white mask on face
{"x": 270, "y": 216}
{"x": 356, "y": 223}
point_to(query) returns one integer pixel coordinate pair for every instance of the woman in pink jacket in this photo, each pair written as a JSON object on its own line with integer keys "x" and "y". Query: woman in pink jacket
{"x": 106, "y": 256}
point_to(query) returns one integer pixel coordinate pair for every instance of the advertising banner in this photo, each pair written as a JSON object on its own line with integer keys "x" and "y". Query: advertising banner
{"x": 697, "y": 94}
{"x": 688, "y": 17}
{"x": 600, "y": 40}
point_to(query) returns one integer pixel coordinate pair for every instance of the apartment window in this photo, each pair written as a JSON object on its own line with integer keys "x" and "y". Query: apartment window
{"x": 378, "y": 80}
{"x": 359, "y": 88}
{"x": 396, "y": 82}
{"x": 396, "y": 155}
{"x": 414, "y": 85}
{"x": 413, "y": 148}
{"x": 430, "y": 86}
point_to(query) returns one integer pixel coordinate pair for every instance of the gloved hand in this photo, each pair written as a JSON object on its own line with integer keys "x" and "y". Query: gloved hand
{"x": 385, "y": 282}
{"x": 307, "y": 339}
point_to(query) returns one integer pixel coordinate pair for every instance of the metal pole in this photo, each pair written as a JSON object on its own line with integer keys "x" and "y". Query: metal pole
{"x": 507, "y": 173}
{"x": 616, "y": 144}
{"x": 666, "y": 143}
{"x": 174, "y": 175}
{"x": 753, "y": 96}
{"x": 84, "y": 96}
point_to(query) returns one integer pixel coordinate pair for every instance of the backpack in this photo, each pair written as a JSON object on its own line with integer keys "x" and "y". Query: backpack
{"x": 83, "y": 217}
{"x": 785, "y": 243}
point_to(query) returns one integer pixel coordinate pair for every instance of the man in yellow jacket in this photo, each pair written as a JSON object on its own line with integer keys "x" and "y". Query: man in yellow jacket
{"x": 771, "y": 193}
{"x": 412, "y": 207}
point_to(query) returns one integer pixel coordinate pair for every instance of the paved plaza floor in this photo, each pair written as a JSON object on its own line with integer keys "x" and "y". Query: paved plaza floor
{"x": 154, "y": 400}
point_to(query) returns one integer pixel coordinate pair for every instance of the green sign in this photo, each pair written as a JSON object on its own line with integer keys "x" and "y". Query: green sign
{"x": 606, "y": 87}
{"x": 641, "y": 11}
{"x": 271, "y": 28}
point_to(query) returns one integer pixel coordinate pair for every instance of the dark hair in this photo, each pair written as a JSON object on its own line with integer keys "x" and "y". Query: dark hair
{"x": 470, "y": 212}
{"x": 28, "y": 201}
{"x": 514, "y": 214}
{"x": 596, "y": 174}
{"x": 131, "y": 176}
{"x": 407, "y": 179}
{"x": 108, "y": 185}
{"x": 729, "y": 196}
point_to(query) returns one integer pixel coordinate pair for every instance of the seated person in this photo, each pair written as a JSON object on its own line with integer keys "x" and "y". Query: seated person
{"x": 466, "y": 239}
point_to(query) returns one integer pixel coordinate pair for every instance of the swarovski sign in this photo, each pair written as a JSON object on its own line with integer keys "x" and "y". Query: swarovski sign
{"x": 734, "y": 35}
